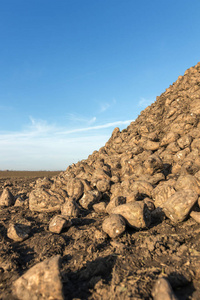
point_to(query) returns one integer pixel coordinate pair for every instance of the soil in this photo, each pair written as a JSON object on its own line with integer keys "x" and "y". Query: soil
{"x": 93, "y": 265}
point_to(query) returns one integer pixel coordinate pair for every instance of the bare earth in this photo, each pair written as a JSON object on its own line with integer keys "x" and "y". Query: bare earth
{"x": 93, "y": 265}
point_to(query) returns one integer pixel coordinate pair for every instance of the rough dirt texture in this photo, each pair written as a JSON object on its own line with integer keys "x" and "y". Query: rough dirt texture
{"x": 148, "y": 178}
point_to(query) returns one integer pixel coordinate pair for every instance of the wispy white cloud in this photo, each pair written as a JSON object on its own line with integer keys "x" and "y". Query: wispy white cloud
{"x": 80, "y": 119}
{"x": 45, "y": 146}
{"x": 75, "y": 118}
{"x": 93, "y": 120}
{"x": 103, "y": 126}
{"x": 40, "y": 126}
{"x": 106, "y": 105}
{"x": 144, "y": 102}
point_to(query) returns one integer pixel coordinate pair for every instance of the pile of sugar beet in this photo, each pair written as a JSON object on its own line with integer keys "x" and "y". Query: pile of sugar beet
{"x": 123, "y": 224}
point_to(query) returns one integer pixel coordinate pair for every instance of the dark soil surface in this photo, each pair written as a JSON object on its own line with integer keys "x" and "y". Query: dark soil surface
{"x": 93, "y": 265}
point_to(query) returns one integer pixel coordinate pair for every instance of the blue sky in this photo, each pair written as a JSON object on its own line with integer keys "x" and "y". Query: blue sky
{"x": 73, "y": 70}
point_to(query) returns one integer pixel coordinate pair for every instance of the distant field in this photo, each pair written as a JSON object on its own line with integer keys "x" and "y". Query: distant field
{"x": 27, "y": 174}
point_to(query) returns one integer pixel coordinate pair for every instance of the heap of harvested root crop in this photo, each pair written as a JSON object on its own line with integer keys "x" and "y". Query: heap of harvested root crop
{"x": 149, "y": 168}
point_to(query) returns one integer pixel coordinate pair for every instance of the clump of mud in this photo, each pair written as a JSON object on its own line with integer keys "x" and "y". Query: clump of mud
{"x": 123, "y": 224}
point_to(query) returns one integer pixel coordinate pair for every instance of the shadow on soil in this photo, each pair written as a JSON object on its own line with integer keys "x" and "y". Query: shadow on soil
{"x": 78, "y": 284}
{"x": 181, "y": 286}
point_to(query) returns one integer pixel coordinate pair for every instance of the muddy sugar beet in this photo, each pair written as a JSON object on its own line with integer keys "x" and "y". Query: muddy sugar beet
{"x": 178, "y": 206}
{"x": 114, "y": 225}
{"x": 136, "y": 214}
